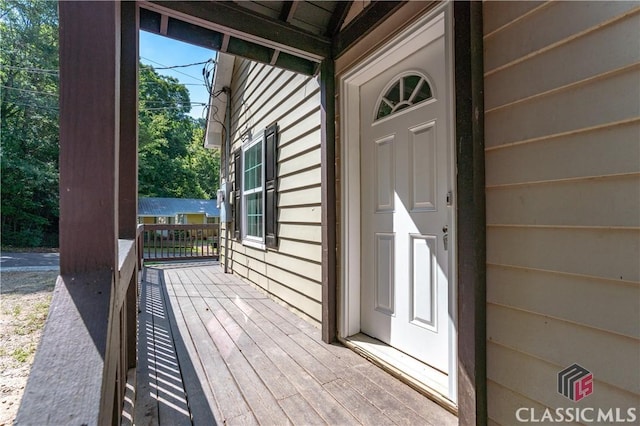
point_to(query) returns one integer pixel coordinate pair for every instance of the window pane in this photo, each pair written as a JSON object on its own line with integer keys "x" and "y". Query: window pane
{"x": 410, "y": 84}
{"x": 393, "y": 95}
{"x": 383, "y": 110}
{"x": 424, "y": 93}
{"x": 405, "y": 92}
{"x": 253, "y": 167}
{"x": 254, "y": 214}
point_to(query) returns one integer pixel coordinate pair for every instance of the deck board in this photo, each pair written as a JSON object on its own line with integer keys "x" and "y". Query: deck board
{"x": 246, "y": 360}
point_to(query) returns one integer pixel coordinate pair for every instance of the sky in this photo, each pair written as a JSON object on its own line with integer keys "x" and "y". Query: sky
{"x": 160, "y": 51}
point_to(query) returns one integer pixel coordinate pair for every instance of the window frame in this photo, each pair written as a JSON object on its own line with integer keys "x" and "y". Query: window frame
{"x": 409, "y": 103}
{"x": 252, "y": 240}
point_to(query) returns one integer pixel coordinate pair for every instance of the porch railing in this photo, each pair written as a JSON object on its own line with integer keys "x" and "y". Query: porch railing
{"x": 178, "y": 242}
{"x": 87, "y": 347}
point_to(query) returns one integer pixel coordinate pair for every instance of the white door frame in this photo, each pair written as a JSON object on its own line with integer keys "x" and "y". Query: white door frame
{"x": 407, "y": 42}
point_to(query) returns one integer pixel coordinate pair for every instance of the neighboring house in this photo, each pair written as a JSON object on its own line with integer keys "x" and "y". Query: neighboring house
{"x": 458, "y": 180}
{"x": 177, "y": 211}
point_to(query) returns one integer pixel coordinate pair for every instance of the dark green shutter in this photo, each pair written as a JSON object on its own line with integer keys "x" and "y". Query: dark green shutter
{"x": 237, "y": 191}
{"x": 271, "y": 186}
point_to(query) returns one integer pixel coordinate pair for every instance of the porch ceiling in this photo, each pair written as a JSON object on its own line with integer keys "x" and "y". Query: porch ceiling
{"x": 295, "y": 35}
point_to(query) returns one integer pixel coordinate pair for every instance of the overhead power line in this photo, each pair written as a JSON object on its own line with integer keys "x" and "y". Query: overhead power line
{"x": 180, "y": 66}
{"x": 163, "y": 65}
{"x": 29, "y": 91}
{"x": 51, "y": 108}
{"x": 31, "y": 69}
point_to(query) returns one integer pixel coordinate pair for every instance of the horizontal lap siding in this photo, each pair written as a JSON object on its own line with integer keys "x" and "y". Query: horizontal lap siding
{"x": 262, "y": 95}
{"x": 562, "y": 117}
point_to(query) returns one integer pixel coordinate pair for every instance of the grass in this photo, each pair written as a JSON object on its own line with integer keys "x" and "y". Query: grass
{"x": 35, "y": 318}
{"x": 22, "y": 354}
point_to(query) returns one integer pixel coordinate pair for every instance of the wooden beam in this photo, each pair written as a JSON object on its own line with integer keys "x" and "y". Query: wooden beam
{"x": 372, "y": 15}
{"x": 225, "y": 43}
{"x": 274, "y": 57}
{"x": 164, "y": 24}
{"x": 288, "y": 10}
{"x": 328, "y": 190}
{"x": 471, "y": 216}
{"x": 89, "y": 135}
{"x": 338, "y": 17}
{"x": 128, "y": 153}
{"x": 225, "y": 17}
{"x": 128, "y": 169}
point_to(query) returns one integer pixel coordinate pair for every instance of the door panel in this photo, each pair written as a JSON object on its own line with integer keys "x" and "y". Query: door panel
{"x": 404, "y": 213}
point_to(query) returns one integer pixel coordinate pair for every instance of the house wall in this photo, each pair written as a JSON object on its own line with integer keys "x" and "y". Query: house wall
{"x": 562, "y": 131}
{"x": 196, "y": 219}
{"x": 262, "y": 95}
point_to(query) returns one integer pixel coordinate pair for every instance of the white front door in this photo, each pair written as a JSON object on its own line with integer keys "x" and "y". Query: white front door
{"x": 406, "y": 217}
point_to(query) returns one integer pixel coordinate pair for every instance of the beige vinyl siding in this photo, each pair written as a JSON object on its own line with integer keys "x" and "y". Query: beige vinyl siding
{"x": 262, "y": 95}
{"x": 562, "y": 130}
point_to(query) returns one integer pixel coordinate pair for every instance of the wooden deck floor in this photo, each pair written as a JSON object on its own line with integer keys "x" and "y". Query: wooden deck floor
{"x": 215, "y": 350}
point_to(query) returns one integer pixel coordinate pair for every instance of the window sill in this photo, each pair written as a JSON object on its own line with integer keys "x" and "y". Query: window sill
{"x": 260, "y": 245}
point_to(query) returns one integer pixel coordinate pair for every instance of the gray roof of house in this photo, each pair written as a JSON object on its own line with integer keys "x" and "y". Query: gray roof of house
{"x": 154, "y": 206}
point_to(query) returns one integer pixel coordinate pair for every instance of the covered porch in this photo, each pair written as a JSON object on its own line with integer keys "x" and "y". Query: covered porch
{"x": 246, "y": 358}
{"x": 212, "y": 349}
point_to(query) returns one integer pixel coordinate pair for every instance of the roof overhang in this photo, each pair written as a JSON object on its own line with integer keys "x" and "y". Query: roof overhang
{"x": 294, "y": 35}
{"x": 229, "y": 28}
{"x": 218, "y": 101}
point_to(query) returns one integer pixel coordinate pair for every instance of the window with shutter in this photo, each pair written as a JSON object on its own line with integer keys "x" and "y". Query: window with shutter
{"x": 256, "y": 220}
{"x": 253, "y": 190}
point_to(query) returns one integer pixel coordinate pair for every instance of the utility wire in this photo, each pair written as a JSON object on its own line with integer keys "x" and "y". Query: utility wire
{"x": 170, "y": 82}
{"x": 181, "y": 66}
{"x": 29, "y": 91}
{"x": 161, "y": 108}
{"x": 171, "y": 103}
{"x": 30, "y": 69}
{"x": 36, "y": 106}
{"x": 179, "y": 72}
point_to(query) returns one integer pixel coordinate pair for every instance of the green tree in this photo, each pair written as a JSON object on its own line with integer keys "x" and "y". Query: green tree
{"x": 29, "y": 122}
{"x": 172, "y": 161}
{"x": 204, "y": 163}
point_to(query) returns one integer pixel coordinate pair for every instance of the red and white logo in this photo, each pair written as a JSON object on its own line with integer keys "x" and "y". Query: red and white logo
{"x": 575, "y": 382}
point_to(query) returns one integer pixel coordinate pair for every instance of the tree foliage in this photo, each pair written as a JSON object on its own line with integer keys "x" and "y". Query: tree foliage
{"x": 172, "y": 161}
{"x": 29, "y": 122}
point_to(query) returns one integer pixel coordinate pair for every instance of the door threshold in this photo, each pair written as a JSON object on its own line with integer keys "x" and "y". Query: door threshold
{"x": 421, "y": 377}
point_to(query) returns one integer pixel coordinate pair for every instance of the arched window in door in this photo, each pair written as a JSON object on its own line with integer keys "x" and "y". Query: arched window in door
{"x": 403, "y": 92}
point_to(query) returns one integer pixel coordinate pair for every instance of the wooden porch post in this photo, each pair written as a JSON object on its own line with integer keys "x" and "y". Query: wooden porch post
{"x": 128, "y": 171}
{"x": 73, "y": 378}
{"x": 472, "y": 335}
{"x": 128, "y": 188}
{"x": 89, "y": 134}
{"x": 328, "y": 164}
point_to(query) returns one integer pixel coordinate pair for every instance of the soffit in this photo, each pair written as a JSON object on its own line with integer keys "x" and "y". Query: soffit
{"x": 295, "y": 35}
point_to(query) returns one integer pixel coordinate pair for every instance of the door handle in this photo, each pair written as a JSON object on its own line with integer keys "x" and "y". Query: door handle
{"x": 445, "y": 237}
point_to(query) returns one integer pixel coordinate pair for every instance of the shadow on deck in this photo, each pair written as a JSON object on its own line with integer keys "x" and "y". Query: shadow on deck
{"x": 213, "y": 349}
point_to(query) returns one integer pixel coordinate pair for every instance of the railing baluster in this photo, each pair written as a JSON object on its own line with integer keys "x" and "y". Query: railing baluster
{"x": 168, "y": 242}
